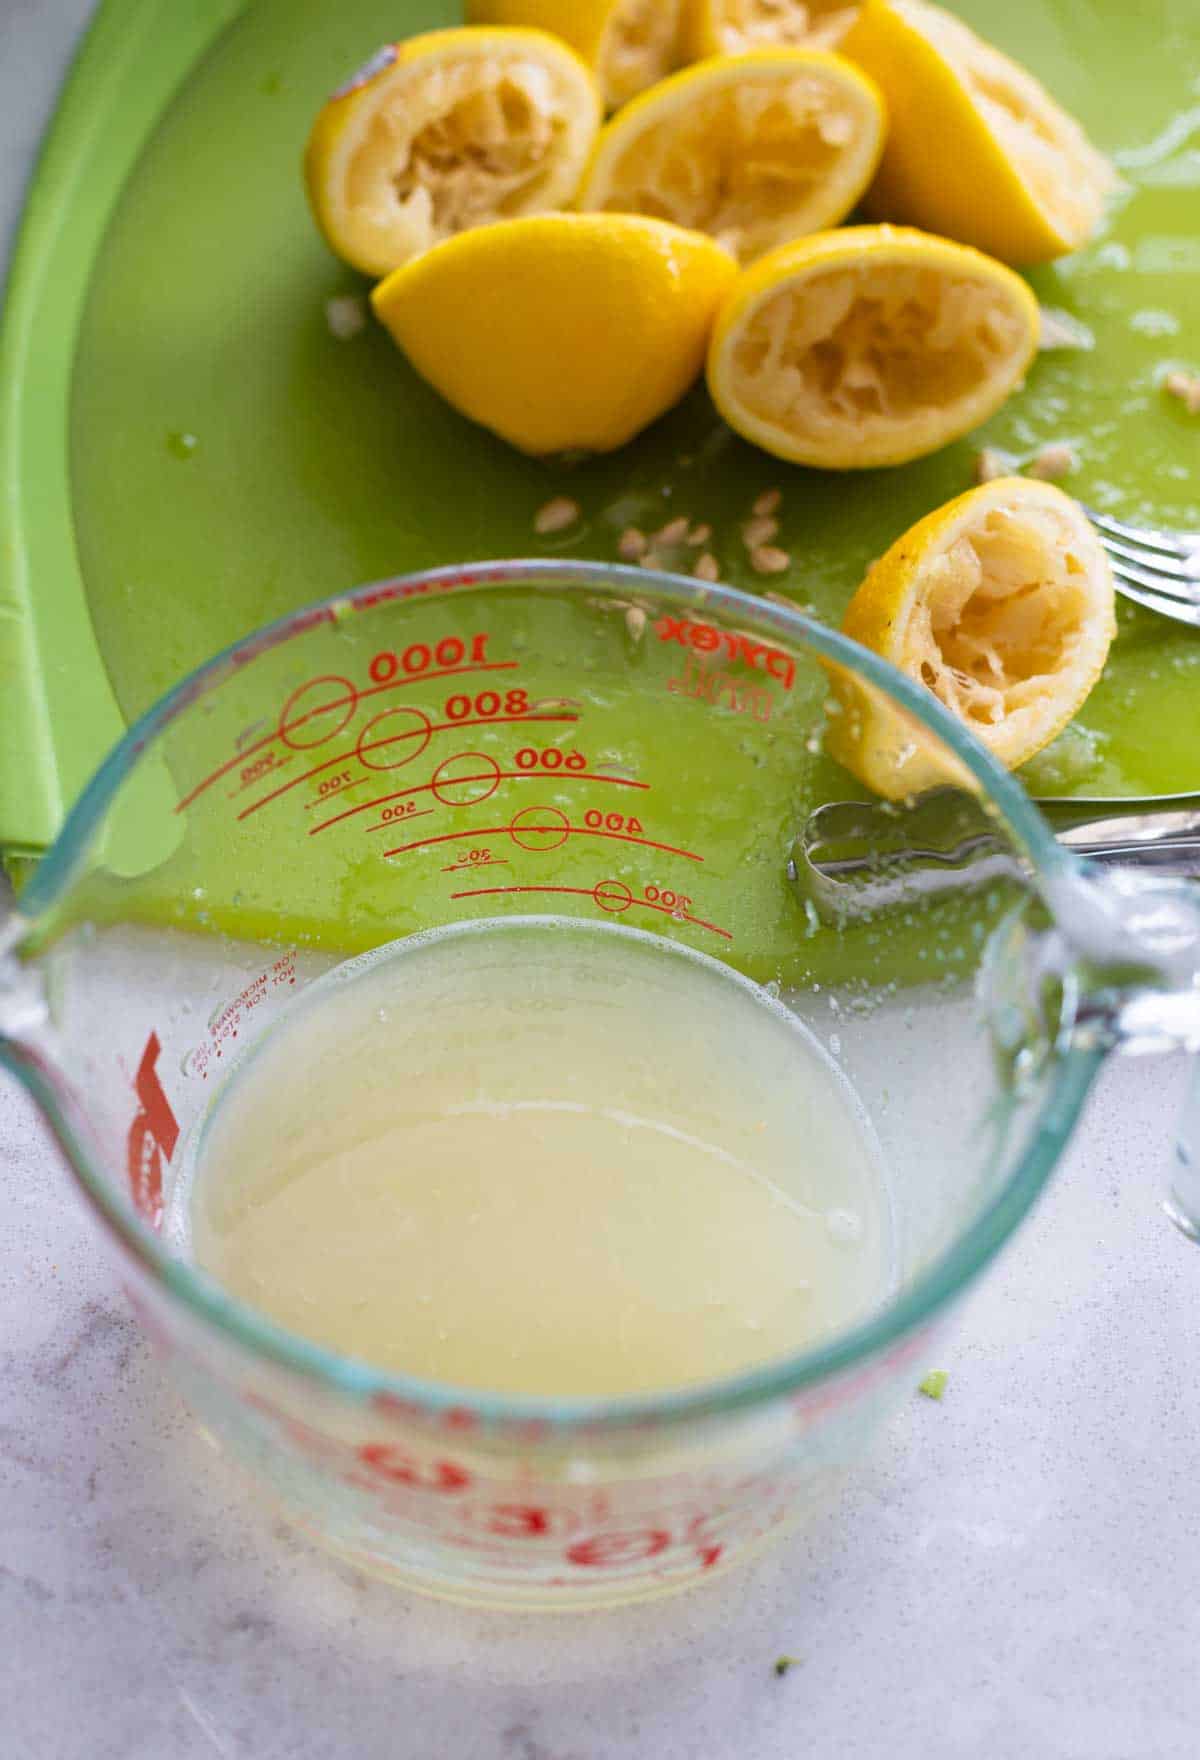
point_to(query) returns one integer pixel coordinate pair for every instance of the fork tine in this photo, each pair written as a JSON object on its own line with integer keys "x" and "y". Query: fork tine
{"x": 1177, "y": 591}
{"x": 1178, "y": 544}
{"x": 1169, "y": 566}
{"x": 1179, "y": 609}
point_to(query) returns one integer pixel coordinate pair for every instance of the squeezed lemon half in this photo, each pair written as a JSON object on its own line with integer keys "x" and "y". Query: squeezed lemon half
{"x": 977, "y": 148}
{"x": 1000, "y": 603}
{"x": 753, "y": 149}
{"x": 725, "y": 27}
{"x": 447, "y": 131}
{"x": 630, "y": 44}
{"x": 871, "y": 345}
{"x": 560, "y": 332}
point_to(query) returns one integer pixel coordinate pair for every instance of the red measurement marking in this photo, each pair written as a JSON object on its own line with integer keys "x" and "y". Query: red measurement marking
{"x": 346, "y": 757}
{"x": 384, "y": 800}
{"x": 271, "y": 770}
{"x": 482, "y": 862}
{"x": 152, "y": 1136}
{"x": 538, "y": 829}
{"x": 365, "y": 743}
{"x": 617, "y": 1549}
{"x": 422, "y": 731}
{"x": 279, "y": 732}
{"x": 592, "y": 893}
{"x": 345, "y": 702}
{"x": 449, "y": 781}
{"x": 529, "y": 829}
{"x": 613, "y": 896}
{"x": 392, "y": 1464}
{"x": 516, "y": 1521}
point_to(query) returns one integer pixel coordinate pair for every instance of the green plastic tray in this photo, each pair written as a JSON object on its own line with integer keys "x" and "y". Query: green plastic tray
{"x": 186, "y": 451}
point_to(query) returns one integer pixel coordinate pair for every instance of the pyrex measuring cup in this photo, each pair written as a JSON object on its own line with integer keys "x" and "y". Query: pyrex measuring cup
{"x": 589, "y": 742}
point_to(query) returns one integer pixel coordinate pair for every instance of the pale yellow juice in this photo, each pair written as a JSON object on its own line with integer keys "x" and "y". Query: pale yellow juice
{"x": 542, "y": 1156}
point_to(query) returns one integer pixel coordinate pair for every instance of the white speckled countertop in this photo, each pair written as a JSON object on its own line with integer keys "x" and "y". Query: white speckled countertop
{"x": 1015, "y": 1575}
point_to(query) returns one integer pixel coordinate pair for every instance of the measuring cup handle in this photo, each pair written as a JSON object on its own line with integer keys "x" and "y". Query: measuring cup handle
{"x": 1113, "y": 967}
{"x": 1134, "y": 943}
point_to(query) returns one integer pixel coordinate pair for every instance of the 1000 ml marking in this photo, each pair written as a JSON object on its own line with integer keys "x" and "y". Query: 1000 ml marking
{"x": 418, "y": 657}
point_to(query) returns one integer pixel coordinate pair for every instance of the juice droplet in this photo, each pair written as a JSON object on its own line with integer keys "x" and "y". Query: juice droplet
{"x": 844, "y": 1227}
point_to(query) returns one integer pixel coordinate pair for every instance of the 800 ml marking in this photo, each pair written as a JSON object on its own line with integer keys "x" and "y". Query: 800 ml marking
{"x": 487, "y": 705}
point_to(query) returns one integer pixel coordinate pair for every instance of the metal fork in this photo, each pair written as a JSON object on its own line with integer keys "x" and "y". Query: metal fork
{"x": 1155, "y": 568}
{"x": 852, "y": 858}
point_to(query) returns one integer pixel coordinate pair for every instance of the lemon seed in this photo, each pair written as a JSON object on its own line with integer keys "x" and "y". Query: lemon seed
{"x": 759, "y": 531}
{"x": 1054, "y": 461}
{"x": 1186, "y": 387}
{"x": 555, "y": 516}
{"x": 767, "y": 559}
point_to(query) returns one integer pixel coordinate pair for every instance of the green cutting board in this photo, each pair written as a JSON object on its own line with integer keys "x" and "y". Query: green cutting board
{"x": 186, "y": 450}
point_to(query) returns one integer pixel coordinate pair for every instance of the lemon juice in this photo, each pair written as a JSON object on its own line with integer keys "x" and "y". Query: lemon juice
{"x": 541, "y": 1156}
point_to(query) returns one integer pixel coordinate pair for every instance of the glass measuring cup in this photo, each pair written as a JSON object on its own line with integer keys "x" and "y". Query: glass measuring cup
{"x": 593, "y": 742}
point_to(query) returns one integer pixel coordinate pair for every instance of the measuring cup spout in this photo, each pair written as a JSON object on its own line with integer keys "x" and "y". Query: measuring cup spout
{"x": 26, "y": 1047}
{"x": 22, "y": 997}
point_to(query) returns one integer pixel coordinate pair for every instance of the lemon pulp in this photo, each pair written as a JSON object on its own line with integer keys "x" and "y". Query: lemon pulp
{"x": 1001, "y": 604}
{"x": 544, "y": 1157}
{"x": 752, "y": 149}
{"x": 638, "y": 46}
{"x": 727, "y": 26}
{"x": 450, "y": 130}
{"x": 869, "y": 346}
{"x": 629, "y": 44}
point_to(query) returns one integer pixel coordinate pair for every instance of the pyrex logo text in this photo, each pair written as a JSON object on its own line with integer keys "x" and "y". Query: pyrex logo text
{"x": 733, "y": 644}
